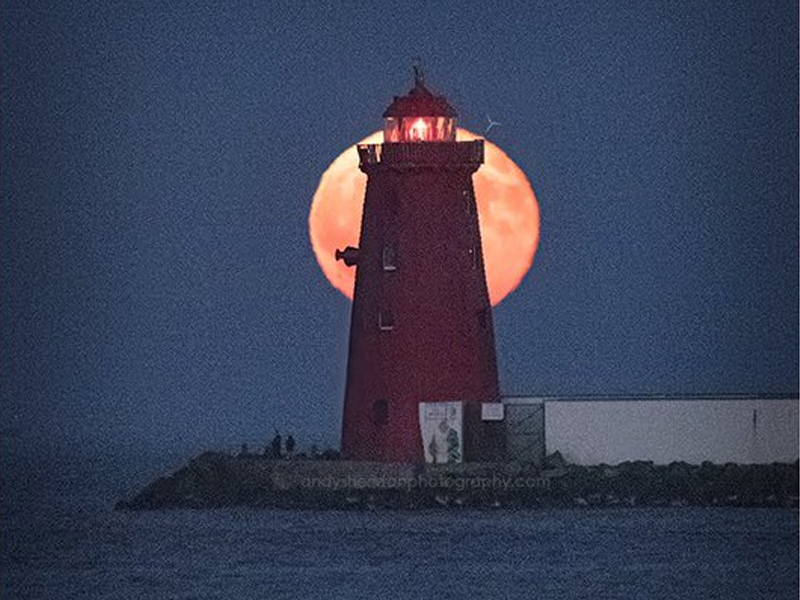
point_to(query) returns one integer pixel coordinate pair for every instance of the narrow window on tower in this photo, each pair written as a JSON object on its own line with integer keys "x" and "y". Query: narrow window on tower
{"x": 473, "y": 257}
{"x": 385, "y": 320}
{"x": 380, "y": 412}
{"x": 389, "y": 262}
{"x": 467, "y": 201}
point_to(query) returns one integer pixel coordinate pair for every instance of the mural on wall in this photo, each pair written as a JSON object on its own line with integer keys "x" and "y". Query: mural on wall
{"x": 441, "y": 424}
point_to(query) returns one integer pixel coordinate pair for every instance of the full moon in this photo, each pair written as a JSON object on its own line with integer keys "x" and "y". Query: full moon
{"x": 508, "y": 214}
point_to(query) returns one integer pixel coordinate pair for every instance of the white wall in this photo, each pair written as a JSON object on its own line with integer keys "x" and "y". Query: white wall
{"x": 666, "y": 430}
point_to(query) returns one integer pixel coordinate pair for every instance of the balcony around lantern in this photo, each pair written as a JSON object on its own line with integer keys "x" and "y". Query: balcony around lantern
{"x": 421, "y": 154}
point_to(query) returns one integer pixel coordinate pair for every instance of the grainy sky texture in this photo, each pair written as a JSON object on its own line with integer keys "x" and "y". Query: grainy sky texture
{"x": 158, "y": 160}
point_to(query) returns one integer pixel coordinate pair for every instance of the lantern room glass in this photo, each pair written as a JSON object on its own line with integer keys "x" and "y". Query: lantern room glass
{"x": 419, "y": 129}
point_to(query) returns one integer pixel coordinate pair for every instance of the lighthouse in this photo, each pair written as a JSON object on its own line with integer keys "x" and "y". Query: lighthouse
{"x": 421, "y": 329}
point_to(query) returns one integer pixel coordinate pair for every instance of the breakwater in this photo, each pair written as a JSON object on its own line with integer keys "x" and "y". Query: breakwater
{"x": 216, "y": 480}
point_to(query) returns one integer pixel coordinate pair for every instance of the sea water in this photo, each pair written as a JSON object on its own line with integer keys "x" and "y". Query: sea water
{"x": 60, "y": 538}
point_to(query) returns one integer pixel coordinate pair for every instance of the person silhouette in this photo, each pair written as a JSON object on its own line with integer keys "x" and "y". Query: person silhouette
{"x": 276, "y": 445}
{"x": 289, "y": 445}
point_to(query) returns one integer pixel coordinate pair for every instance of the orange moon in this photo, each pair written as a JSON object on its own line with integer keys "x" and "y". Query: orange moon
{"x": 508, "y": 214}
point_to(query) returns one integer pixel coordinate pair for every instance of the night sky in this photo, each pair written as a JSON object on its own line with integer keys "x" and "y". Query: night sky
{"x": 157, "y": 164}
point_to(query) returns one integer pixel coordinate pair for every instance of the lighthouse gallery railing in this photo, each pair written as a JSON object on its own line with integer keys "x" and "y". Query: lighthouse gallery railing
{"x": 422, "y": 153}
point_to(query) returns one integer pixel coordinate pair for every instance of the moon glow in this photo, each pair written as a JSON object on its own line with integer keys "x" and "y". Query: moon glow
{"x": 508, "y": 215}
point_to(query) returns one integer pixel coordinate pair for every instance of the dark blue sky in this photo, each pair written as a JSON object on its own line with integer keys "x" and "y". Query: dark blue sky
{"x": 157, "y": 164}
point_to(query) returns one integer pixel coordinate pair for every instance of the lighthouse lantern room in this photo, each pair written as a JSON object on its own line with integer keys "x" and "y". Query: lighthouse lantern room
{"x": 419, "y": 117}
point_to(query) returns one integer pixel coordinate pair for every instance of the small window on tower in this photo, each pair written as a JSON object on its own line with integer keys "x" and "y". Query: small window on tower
{"x": 473, "y": 257}
{"x": 380, "y": 412}
{"x": 385, "y": 320}
{"x": 389, "y": 263}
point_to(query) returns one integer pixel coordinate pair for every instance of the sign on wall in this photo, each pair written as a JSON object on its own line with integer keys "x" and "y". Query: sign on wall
{"x": 492, "y": 411}
{"x": 441, "y": 424}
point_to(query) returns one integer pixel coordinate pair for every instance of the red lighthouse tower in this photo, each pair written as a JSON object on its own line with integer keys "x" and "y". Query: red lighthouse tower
{"x": 421, "y": 327}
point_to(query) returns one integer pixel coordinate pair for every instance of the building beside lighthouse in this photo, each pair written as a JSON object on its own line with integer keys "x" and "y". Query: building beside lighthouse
{"x": 422, "y": 351}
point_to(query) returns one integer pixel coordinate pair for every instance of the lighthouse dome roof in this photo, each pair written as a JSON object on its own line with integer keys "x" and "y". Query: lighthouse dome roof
{"x": 420, "y": 102}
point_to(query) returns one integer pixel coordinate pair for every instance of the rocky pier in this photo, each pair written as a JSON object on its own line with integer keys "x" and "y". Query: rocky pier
{"x": 217, "y": 480}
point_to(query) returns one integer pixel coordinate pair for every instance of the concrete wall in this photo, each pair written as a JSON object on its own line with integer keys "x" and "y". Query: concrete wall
{"x": 666, "y": 430}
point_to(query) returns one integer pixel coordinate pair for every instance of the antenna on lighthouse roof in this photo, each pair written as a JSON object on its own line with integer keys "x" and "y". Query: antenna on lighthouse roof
{"x": 419, "y": 74}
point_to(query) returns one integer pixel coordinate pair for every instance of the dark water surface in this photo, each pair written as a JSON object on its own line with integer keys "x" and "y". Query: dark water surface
{"x": 60, "y": 538}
